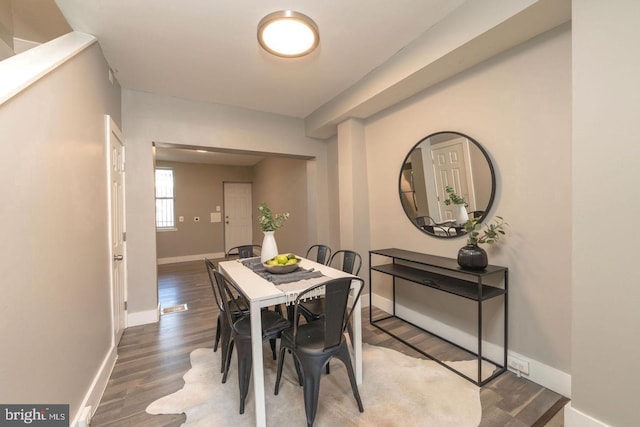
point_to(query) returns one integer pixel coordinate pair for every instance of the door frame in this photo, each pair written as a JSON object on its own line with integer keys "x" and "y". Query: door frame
{"x": 112, "y": 129}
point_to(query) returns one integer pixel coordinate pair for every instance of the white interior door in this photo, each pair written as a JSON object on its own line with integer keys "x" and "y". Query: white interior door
{"x": 117, "y": 228}
{"x": 452, "y": 168}
{"x": 237, "y": 214}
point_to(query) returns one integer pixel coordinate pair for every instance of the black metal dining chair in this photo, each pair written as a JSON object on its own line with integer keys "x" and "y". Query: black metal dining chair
{"x": 243, "y": 251}
{"x": 223, "y": 327}
{"x": 432, "y": 226}
{"x": 313, "y": 309}
{"x": 314, "y": 344}
{"x": 272, "y": 326}
{"x": 322, "y": 254}
{"x": 347, "y": 261}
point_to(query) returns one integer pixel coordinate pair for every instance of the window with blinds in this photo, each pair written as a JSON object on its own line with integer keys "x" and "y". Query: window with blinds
{"x": 165, "y": 199}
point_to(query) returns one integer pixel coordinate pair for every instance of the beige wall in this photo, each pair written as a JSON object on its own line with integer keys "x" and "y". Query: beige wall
{"x": 38, "y": 20}
{"x": 352, "y": 192}
{"x": 334, "y": 185}
{"x": 55, "y": 305}
{"x": 282, "y": 185}
{"x": 198, "y": 190}
{"x": 518, "y": 106}
{"x": 606, "y": 147}
{"x": 6, "y": 23}
{"x": 148, "y": 118}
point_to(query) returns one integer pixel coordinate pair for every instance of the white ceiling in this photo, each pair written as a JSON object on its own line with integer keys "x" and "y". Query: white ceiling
{"x": 372, "y": 53}
{"x": 206, "y": 50}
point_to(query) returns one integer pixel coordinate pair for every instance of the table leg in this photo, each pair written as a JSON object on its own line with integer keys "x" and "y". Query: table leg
{"x": 258, "y": 368}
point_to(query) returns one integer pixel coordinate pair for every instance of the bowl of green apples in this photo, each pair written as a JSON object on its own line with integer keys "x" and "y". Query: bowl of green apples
{"x": 282, "y": 263}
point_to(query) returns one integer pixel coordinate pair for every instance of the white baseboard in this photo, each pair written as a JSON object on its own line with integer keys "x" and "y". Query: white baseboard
{"x": 575, "y": 418}
{"x": 545, "y": 375}
{"x": 143, "y": 317}
{"x": 542, "y": 374}
{"x": 364, "y": 300}
{"x": 94, "y": 394}
{"x": 187, "y": 258}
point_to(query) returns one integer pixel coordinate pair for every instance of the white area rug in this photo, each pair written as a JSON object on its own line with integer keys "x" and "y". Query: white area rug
{"x": 397, "y": 391}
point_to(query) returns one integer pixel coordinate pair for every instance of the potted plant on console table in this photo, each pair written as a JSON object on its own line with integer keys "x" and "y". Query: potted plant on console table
{"x": 472, "y": 256}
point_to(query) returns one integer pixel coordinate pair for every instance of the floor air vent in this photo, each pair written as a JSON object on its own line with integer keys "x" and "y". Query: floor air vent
{"x": 174, "y": 309}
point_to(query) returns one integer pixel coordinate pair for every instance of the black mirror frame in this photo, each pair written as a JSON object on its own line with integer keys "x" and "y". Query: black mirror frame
{"x": 491, "y": 169}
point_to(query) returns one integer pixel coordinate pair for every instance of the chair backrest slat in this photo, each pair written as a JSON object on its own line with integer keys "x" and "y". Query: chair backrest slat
{"x": 323, "y": 253}
{"x": 351, "y": 261}
{"x": 337, "y": 312}
{"x": 211, "y": 268}
{"x": 336, "y": 296}
{"x": 244, "y": 251}
{"x": 231, "y": 296}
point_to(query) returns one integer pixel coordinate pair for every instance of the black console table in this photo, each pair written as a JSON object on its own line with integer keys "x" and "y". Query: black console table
{"x": 442, "y": 274}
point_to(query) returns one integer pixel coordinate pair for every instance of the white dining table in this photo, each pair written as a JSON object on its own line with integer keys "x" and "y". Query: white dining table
{"x": 262, "y": 293}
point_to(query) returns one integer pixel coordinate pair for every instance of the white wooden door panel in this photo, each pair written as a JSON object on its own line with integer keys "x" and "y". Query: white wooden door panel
{"x": 451, "y": 169}
{"x": 237, "y": 214}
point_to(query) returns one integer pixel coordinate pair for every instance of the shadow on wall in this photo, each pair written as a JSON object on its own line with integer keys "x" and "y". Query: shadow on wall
{"x": 25, "y": 24}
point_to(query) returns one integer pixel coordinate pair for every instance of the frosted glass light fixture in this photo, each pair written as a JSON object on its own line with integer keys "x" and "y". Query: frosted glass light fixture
{"x": 288, "y": 34}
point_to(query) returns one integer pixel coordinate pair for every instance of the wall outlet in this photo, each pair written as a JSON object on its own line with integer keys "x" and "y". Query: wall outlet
{"x": 518, "y": 365}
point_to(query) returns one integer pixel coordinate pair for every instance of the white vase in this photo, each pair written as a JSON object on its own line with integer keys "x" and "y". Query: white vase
{"x": 462, "y": 215}
{"x": 269, "y": 246}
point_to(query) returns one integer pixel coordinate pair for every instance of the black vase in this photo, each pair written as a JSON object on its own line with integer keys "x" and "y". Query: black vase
{"x": 472, "y": 257}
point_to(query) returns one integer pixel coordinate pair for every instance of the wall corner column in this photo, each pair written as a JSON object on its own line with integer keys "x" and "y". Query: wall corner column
{"x": 353, "y": 191}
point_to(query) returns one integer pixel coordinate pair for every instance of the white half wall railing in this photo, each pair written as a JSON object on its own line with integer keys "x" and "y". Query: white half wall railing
{"x": 22, "y": 70}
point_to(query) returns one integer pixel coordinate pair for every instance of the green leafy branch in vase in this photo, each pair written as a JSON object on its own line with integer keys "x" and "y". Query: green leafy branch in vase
{"x": 484, "y": 233}
{"x": 453, "y": 198}
{"x": 268, "y": 220}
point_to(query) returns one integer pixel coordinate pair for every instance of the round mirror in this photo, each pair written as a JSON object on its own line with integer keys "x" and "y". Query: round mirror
{"x": 446, "y": 179}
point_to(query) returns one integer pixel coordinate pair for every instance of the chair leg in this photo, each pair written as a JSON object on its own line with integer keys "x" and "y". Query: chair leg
{"x": 215, "y": 344}
{"x": 298, "y": 370}
{"x": 312, "y": 371}
{"x": 343, "y": 355}
{"x": 272, "y": 343}
{"x": 225, "y": 340}
{"x": 244, "y": 370}
{"x": 227, "y": 362}
{"x": 283, "y": 351}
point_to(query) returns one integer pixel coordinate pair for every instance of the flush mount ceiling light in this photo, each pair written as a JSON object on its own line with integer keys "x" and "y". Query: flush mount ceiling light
{"x": 288, "y": 34}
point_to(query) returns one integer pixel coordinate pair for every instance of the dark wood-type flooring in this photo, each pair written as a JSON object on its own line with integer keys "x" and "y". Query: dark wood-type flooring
{"x": 153, "y": 358}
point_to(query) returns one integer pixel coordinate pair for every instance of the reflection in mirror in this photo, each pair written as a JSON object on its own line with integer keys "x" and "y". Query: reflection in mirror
{"x": 441, "y": 160}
